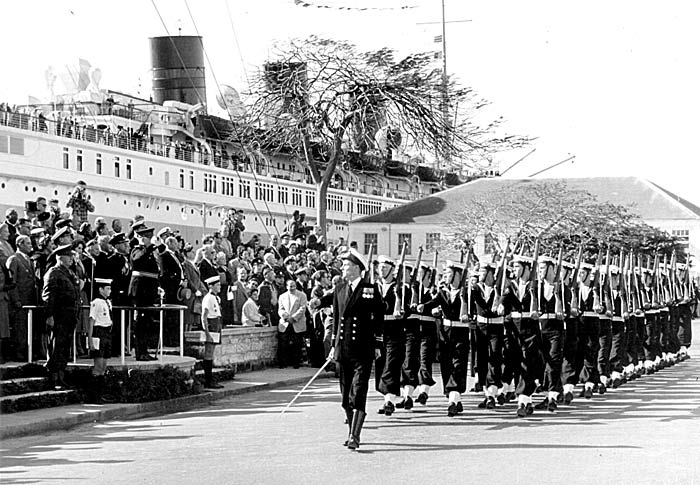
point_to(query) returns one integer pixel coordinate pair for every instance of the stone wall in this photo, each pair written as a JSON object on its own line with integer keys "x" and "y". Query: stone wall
{"x": 240, "y": 347}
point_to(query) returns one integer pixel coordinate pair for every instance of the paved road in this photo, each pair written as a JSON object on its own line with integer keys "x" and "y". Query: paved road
{"x": 645, "y": 432}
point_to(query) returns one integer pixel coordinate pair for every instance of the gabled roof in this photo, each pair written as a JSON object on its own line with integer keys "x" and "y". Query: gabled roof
{"x": 644, "y": 198}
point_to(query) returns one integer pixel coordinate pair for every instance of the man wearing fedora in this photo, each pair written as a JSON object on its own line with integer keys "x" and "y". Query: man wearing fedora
{"x": 143, "y": 287}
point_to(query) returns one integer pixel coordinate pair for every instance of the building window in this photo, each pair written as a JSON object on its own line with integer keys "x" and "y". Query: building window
{"x": 370, "y": 240}
{"x": 310, "y": 199}
{"x": 128, "y": 169}
{"x": 244, "y": 189}
{"x": 489, "y": 244}
{"x": 66, "y": 155}
{"x": 296, "y": 197}
{"x": 79, "y": 161}
{"x": 98, "y": 164}
{"x": 282, "y": 195}
{"x": 404, "y": 238}
{"x": 432, "y": 240}
{"x": 683, "y": 237}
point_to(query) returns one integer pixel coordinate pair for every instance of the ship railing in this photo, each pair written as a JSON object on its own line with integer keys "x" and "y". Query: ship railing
{"x": 126, "y": 317}
{"x": 138, "y": 142}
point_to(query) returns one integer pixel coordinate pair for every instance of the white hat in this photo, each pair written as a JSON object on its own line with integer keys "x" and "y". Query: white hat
{"x": 212, "y": 280}
{"x": 355, "y": 257}
{"x": 387, "y": 260}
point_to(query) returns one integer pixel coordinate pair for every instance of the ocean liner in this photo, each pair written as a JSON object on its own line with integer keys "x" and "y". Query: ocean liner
{"x": 169, "y": 160}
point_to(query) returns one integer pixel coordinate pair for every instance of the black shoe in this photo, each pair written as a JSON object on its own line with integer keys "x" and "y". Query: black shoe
{"x": 552, "y": 405}
{"x": 588, "y": 393}
{"x": 529, "y": 410}
{"x": 460, "y": 408}
{"x": 482, "y": 404}
{"x": 501, "y": 399}
{"x": 568, "y": 397}
{"x": 380, "y": 410}
{"x": 400, "y": 405}
{"x": 408, "y": 403}
{"x": 358, "y": 418}
{"x": 560, "y": 398}
{"x": 452, "y": 410}
{"x": 617, "y": 382}
{"x": 510, "y": 396}
{"x": 491, "y": 403}
{"x": 602, "y": 389}
{"x": 143, "y": 358}
{"x": 582, "y": 393}
{"x": 542, "y": 405}
{"x": 389, "y": 408}
{"x": 521, "y": 412}
{"x": 422, "y": 398}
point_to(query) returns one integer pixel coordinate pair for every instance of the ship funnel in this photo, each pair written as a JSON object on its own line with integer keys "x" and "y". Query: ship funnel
{"x": 178, "y": 69}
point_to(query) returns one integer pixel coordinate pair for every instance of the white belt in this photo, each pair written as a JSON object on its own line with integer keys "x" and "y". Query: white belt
{"x": 144, "y": 274}
{"x": 548, "y": 316}
{"x": 454, "y": 323}
{"x": 603, "y": 316}
{"x": 591, "y": 314}
{"x": 496, "y": 320}
{"x": 425, "y": 318}
{"x": 391, "y": 317}
{"x": 516, "y": 315}
{"x": 618, "y": 319}
{"x": 651, "y": 311}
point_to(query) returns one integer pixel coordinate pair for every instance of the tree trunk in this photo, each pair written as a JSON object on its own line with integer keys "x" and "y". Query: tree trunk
{"x": 322, "y": 207}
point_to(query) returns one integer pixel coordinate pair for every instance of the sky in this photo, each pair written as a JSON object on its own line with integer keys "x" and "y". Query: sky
{"x": 614, "y": 83}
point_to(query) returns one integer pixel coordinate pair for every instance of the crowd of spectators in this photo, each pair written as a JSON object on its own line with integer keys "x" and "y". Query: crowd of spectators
{"x": 277, "y": 283}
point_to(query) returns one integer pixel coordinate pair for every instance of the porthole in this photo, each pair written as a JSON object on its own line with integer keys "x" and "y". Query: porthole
{"x": 191, "y": 211}
{"x": 33, "y": 189}
{"x": 167, "y": 207}
{"x": 26, "y": 189}
{"x": 124, "y": 201}
{"x": 107, "y": 199}
{"x": 55, "y": 192}
{"x": 3, "y": 185}
{"x": 138, "y": 203}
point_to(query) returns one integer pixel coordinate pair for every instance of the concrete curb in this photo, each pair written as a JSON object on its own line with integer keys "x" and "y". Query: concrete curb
{"x": 65, "y": 417}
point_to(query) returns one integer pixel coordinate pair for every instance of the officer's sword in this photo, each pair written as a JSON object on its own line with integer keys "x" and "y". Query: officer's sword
{"x": 323, "y": 367}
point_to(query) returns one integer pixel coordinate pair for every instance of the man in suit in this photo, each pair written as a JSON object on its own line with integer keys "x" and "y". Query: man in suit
{"x": 292, "y": 323}
{"x": 268, "y": 297}
{"x": 357, "y": 313}
{"x": 24, "y": 293}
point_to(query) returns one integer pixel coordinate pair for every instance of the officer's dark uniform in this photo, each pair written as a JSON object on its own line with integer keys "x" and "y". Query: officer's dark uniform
{"x": 143, "y": 289}
{"x": 552, "y": 331}
{"x": 119, "y": 271}
{"x": 356, "y": 317}
{"x": 62, "y": 296}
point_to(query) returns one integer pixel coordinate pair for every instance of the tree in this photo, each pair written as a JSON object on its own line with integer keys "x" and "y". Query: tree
{"x": 557, "y": 216}
{"x": 325, "y": 103}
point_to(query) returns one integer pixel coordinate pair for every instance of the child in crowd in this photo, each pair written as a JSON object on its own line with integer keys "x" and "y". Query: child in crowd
{"x": 100, "y": 335}
{"x": 211, "y": 324}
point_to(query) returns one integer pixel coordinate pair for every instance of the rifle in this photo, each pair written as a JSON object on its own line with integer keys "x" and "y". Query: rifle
{"x": 500, "y": 285}
{"x": 674, "y": 287}
{"x": 369, "y": 274}
{"x": 534, "y": 283}
{"x": 574, "y": 283}
{"x": 624, "y": 303}
{"x": 633, "y": 286}
{"x": 595, "y": 275}
{"x": 415, "y": 296}
{"x": 558, "y": 286}
{"x": 607, "y": 289}
{"x": 655, "y": 285}
{"x": 644, "y": 302}
{"x": 665, "y": 283}
{"x": 400, "y": 278}
{"x": 434, "y": 272}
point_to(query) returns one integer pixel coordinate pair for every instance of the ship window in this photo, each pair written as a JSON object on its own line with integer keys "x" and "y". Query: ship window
{"x": 98, "y": 164}
{"x": 79, "y": 160}
{"x": 2, "y": 185}
{"x": 167, "y": 207}
{"x": 182, "y": 179}
{"x": 4, "y": 146}
{"x": 107, "y": 199}
{"x": 150, "y": 170}
{"x": 167, "y": 178}
{"x": 116, "y": 169}
{"x": 124, "y": 201}
{"x": 191, "y": 180}
{"x": 128, "y": 169}
{"x": 16, "y": 146}
{"x": 66, "y": 155}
